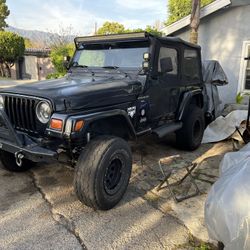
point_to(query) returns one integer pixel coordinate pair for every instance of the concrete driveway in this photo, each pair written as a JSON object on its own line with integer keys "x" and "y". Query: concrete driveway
{"x": 39, "y": 210}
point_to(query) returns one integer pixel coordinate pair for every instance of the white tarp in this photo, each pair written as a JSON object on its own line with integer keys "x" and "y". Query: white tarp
{"x": 227, "y": 209}
{"x": 223, "y": 127}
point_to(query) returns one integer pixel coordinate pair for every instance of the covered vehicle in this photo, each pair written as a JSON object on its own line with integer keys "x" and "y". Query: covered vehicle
{"x": 213, "y": 76}
{"x": 227, "y": 209}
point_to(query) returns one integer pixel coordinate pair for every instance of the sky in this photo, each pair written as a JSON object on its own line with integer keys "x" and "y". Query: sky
{"x": 81, "y": 15}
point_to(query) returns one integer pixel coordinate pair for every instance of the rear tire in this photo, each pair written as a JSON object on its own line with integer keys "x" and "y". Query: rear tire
{"x": 102, "y": 172}
{"x": 189, "y": 137}
{"x": 9, "y": 162}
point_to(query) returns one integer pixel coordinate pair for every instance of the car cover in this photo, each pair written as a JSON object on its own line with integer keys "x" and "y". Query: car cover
{"x": 213, "y": 73}
{"x": 227, "y": 208}
{"x": 213, "y": 76}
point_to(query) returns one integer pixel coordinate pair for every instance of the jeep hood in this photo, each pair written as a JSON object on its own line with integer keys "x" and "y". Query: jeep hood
{"x": 82, "y": 92}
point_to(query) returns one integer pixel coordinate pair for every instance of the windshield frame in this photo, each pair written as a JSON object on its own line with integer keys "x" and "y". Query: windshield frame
{"x": 113, "y": 46}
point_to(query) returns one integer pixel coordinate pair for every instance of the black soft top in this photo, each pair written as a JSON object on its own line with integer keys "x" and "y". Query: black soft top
{"x": 171, "y": 39}
{"x": 131, "y": 37}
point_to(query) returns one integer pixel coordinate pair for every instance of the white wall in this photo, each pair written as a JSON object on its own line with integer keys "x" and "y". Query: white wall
{"x": 30, "y": 67}
{"x": 221, "y": 37}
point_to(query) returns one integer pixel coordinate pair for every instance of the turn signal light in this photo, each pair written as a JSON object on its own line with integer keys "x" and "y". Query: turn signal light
{"x": 56, "y": 124}
{"x": 79, "y": 125}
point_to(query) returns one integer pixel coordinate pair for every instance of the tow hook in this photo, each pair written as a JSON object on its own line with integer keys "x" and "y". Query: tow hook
{"x": 19, "y": 158}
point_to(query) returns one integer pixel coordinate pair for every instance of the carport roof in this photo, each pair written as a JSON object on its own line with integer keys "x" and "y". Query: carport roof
{"x": 207, "y": 10}
{"x": 37, "y": 52}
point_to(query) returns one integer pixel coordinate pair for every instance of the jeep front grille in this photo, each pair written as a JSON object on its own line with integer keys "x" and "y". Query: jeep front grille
{"x": 21, "y": 112}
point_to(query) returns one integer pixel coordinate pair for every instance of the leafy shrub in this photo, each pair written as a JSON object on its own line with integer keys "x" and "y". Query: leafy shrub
{"x": 54, "y": 76}
{"x": 57, "y": 57}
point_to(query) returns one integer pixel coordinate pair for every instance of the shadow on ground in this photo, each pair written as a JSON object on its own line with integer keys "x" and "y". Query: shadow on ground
{"x": 39, "y": 208}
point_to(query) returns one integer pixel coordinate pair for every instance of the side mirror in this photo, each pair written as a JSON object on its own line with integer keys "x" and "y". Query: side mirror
{"x": 66, "y": 61}
{"x": 166, "y": 65}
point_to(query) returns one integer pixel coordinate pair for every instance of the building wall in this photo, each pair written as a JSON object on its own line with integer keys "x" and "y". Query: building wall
{"x": 45, "y": 67}
{"x": 30, "y": 69}
{"x": 37, "y": 68}
{"x": 221, "y": 37}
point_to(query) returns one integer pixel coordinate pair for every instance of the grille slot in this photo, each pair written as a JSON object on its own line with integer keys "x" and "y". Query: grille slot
{"x": 21, "y": 112}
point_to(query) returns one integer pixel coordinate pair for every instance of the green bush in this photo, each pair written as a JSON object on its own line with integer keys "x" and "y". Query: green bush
{"x": 54, "y": 75}
{"x": 57, "y": 57}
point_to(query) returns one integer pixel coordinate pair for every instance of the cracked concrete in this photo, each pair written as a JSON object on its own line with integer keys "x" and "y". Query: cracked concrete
{"x": 132, "y": 224}
{"x": 39, "y": 210}
{"x": 25, "y": 218}
{"x": 59, "y": 218}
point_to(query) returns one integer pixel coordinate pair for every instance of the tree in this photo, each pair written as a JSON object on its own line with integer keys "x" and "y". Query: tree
{"x": 178, "y": 9}
{"x": 111, "y": 28}
{"x": 28, "y": 43}
{"x": 149, "y": 29}
{"x": 116, "y": 28}
{"x": 195, "y": 20}
{"x": 11, "y": 48}
{"x": 62, "y": 37}
{"x": 4, "y": 13}
{"x": 57, "y": 57}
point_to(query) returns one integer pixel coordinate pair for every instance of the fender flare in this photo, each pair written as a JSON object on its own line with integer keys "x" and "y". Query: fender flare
{"x": 187, "y": 97}
{"x": 90, "y": 118}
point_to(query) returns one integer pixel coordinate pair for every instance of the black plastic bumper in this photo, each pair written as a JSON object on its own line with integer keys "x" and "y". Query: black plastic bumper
{"x": 14, "y": 142}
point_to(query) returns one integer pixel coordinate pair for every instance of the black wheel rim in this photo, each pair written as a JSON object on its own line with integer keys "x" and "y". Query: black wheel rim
{"x": 113, "y": 176}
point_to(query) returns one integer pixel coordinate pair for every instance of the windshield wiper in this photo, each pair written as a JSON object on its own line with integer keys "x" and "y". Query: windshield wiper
{"x": 110, "y": 67}
{"x": 76, "y": 65}
{"x": 117, "y": 69}
{"x": 80, "y": 66}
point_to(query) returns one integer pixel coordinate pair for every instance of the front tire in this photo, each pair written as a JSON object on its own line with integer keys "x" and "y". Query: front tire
{"x": 189, "y": 137}
{"x": 9, "y": 162}
{"x": 102, "y": 172}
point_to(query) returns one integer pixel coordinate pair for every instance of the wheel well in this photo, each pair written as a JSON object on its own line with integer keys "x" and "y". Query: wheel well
{"x": 197, "y": 100}
{"x": 115, "y": 125}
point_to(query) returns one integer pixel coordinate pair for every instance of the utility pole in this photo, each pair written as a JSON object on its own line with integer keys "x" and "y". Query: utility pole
{"x": 195, "y": 20}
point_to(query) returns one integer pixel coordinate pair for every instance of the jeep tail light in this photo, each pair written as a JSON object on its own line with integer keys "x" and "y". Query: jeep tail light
{"x": 56, "y": 124}
{"x": 78, "y": 125}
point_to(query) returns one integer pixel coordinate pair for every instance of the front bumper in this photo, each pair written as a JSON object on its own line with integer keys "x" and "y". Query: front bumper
{"x": 19, "y": 143}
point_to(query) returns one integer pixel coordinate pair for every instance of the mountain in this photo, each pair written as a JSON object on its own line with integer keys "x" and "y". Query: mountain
{"x": 41, "y": 38}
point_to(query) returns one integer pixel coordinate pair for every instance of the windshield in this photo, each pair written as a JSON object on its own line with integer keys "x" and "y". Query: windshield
{"x": 111, "y": 55}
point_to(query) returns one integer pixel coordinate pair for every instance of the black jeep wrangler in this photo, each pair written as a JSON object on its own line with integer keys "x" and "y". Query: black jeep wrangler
{"x": 117, "y": 88}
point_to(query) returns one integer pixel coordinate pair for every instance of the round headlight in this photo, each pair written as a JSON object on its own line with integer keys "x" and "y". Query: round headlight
{"x": 43, "y": 112}
{"x": 1, "y": 102}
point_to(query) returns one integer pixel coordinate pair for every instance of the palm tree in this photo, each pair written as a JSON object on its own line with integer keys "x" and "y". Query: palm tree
{"x": 195, "y": 20}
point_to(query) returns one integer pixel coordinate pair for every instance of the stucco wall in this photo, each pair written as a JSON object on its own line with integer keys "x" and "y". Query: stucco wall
{"x": 37, "y": 67}
{"x": 45, "y": 67}
{"x": 30, "y": 69}
{"x": 221, "y": 37}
